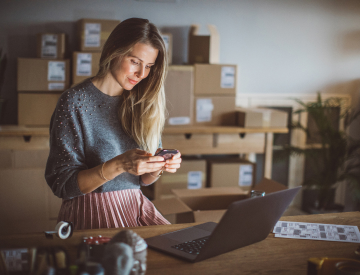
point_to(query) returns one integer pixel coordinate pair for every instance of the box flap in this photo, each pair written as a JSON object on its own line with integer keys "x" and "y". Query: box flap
{"x": 194, "y": 29}
{"x": 171, "y": 206}
{"x": 208, "y": 216}
{"x": 209, "y": 191}
{"x": 269, "y": 186}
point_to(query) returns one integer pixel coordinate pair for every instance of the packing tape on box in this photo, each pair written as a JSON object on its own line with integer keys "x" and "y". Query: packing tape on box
{"x": 64, "y": 230}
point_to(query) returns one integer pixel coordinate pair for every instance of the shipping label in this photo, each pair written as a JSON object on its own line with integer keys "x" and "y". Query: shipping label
{"x": 49, "y": 46}
{"x": 245, "y": 175}
{"x": 204, "y": 108}
{"x": 83, "y": 64}
{"x": 166, "y": 39}
{"x": 56, "y": 86}
{"x": 194, "y": 179}
{"x": 56, "y": 71}
{"x": 92, "y": 35}
{"x": 180, "y": 120}
{"x": 227, "y": 77}
{"x": 16, "y": 260}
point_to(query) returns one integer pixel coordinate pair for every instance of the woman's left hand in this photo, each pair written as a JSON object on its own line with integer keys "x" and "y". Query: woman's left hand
{"x": 171, "y": 165}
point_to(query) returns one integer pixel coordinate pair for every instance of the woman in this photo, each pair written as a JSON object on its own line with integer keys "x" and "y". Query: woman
{"x": 104, "y": 132}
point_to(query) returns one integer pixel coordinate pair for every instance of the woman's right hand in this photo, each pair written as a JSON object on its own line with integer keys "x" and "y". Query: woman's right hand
{"x": 139, "y": 162}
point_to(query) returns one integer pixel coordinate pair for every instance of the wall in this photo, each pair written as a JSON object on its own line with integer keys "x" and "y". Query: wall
{"x": 284, "y": 47}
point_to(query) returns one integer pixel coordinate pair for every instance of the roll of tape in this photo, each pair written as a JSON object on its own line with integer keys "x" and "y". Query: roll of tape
{"x": 63, "y": 230}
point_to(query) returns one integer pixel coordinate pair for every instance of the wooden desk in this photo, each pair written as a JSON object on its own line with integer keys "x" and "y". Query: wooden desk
{"x": 271, "y": 256}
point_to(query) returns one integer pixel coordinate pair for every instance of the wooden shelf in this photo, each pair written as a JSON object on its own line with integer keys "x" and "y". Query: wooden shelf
{"x": 221, "y": 130}
{"x": 14, "y": 130}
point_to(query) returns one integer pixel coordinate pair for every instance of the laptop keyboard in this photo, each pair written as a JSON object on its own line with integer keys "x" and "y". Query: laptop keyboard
{"x": 191, "y": 247}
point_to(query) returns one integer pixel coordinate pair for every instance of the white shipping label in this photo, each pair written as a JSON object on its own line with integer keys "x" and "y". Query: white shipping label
{"x": 56, "y": 86}
{"x": 227, "y": 77}
{"x": 83, "y": 64}
{"x": 56, "y": 71}
{"x": 194, "y": 179}
{"x": 92, "y": 35}
{"x": 166, "y": 39}
{"x": 49, "y": 45}
{"x": 245, "y": 175}
{"x": 204, "y": 108}
{"x": 16, "y": 259}
{"x": 180, "y": 120}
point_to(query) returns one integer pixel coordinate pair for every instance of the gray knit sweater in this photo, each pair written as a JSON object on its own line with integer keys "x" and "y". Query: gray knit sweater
{"x": 85, "y": 131}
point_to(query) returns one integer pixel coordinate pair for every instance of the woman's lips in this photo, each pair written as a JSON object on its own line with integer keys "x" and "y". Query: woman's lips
{"x": 133, "y": 82}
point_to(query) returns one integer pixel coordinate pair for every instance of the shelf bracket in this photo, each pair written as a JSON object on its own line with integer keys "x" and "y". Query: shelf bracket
{"x": 188, "y": 136}
{"x": 27, "y": 138}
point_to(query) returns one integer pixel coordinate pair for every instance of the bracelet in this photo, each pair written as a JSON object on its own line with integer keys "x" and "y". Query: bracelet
{"x": 158, "y": 176}
{"x": 102, "y": 172}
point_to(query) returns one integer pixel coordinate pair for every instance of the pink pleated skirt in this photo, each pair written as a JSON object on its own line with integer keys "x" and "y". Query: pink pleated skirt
{"x": 124, "y": 208}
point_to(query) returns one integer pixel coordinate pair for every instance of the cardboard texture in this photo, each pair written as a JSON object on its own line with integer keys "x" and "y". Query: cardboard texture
{"x": 168, "y": 40}
{"x": 191, "y": 174}
{"x": 179, "y": 92}
{"x": 204, "y": 48}
{"x": 260, "y": 117}
{"x": 42, "y": 75}
{"x": 93, "y": 33}
{"x": 231, "y": 173}
{"x": 51, "y": 45}
{"x": 84, "y": 65}
{"x": 36, "y": 109}
{"x": 209, "y": 204}
{"x": 215, "y": 79}
{"x": 214, "y": 111}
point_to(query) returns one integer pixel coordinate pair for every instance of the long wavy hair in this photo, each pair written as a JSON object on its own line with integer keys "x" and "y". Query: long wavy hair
{"x": 142, "y": 111}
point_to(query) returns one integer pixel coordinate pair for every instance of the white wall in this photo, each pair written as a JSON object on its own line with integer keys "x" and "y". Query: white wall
{"x": 280, "y": 46}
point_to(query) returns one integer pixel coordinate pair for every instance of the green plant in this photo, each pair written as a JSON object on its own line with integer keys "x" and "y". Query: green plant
{"x": 338, "y": 157}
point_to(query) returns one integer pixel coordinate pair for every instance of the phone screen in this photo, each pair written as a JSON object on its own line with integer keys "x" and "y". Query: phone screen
{"x": 167, "y": 153}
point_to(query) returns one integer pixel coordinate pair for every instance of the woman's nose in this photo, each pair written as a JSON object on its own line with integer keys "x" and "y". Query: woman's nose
{"x": 141, "y": 72}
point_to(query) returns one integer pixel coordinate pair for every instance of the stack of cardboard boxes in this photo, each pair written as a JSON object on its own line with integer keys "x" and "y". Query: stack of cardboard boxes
{"x": 92, "y": 35}
{"x": 202, "y": 93}
{"x": 41, "y": 80}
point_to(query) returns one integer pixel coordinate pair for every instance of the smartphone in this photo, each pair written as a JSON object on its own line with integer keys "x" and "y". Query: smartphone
{"x": 167, "y": 153}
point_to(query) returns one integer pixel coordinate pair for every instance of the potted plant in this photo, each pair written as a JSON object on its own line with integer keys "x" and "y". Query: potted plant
{"x": 337, "y": 156}
{"x": 3, "y": 62}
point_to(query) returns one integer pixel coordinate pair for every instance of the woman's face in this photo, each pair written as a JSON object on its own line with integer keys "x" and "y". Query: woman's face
{"x": 134, "y": 67}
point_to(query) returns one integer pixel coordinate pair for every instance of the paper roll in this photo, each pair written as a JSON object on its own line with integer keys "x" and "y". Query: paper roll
{"x": 63, "y": 230}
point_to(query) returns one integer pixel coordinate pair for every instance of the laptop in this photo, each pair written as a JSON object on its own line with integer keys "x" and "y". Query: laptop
{"x": 245, "y": 222}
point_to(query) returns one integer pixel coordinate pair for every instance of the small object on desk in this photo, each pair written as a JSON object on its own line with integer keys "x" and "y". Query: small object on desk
{"x": 257, "y": 193}
{"x": 63, "y": 230}
{"x": 138, "y": 257}
{"x": 333, "y": 266}
{"x": 316, "y": 231}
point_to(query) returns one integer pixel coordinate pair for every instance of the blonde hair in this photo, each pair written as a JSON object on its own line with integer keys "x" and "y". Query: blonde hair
{"x": 142, "y": 112}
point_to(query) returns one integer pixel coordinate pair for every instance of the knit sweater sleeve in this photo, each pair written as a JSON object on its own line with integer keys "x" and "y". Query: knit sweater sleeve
{"x": 67, "y": 157}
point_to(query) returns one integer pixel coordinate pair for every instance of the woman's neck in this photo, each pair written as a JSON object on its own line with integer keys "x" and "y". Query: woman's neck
{"x": 108, "y": 85}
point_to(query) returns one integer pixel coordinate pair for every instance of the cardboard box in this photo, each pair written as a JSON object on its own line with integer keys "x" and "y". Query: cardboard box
{"x": 51, "y": 45}
{"x": 179, "y": 92}
{"x": 231, "y": 172}
{"x": 41, "y": 75}
{"x": 208, "y": 204}
{"x": 261, "y": 117}
{"x": 168, "y": 39}
{"x": 84, "y": 65}
{"x": 36, "y": 109}
{"x": 190, "y": 175}
{"x": 214, "y": 111}
{"x": 204, "y": 48}
{"x": 93, "y": 33}
{"x": 215, "y": 80}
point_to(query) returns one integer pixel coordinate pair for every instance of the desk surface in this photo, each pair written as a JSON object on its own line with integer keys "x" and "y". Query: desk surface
{"x": 14, "y": 130}
{"x": 271, "y": 256}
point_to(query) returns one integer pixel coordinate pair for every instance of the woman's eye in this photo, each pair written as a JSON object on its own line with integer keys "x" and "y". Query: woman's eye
{"x": 134, "y": 62}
